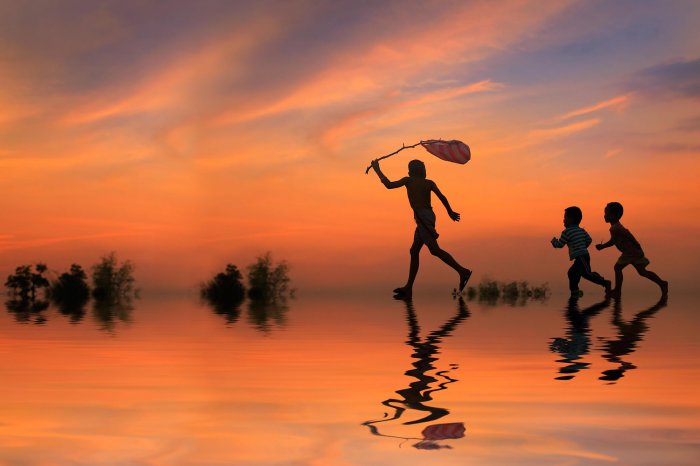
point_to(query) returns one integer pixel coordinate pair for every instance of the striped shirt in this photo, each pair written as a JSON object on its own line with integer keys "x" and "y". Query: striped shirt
{"x": 576, "y": 238}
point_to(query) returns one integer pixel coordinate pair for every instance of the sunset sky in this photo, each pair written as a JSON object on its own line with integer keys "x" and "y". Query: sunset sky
{"x": 184, "y": 135}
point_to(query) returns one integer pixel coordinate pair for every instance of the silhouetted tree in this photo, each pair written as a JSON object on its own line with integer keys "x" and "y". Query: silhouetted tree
{"x": 225, "y": 286}
{"x": 112, "y": 281}
{"x": 268, "y": 281}
{"x": 25, "y": 283}
{"x": 225, "y": 292}
{"x": 71, "y": 292}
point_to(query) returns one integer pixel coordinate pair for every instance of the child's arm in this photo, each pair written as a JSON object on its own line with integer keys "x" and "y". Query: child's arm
{"x": 605, "y": 245}
{"x": 559, "y": 242}
{"x": 385, "y": 181}
{"x": 453, "y": 215}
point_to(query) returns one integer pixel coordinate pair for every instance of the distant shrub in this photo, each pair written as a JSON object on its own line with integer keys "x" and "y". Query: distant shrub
{"x": 25, "y": 283}
{"x": 268, "y": 281}
{"x": 71, "y": 288}
{"x": 225, "y": 288}
{"x": 112, "y": 281}
{"x": 493, "y": 291}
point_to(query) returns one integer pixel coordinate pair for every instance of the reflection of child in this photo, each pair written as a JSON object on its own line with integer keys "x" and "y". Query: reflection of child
{"x": 627, "y": 244}
{"x": 419, "y": 190}
{"x": 578, "y": 240}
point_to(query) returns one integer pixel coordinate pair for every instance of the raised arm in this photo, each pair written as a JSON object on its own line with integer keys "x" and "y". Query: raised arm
{"x": 453, "y": 215}
{"x": 385, "y": 181}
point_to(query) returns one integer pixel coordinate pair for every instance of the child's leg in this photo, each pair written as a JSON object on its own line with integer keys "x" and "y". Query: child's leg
{"x": 642, "y": 270}
{"x": 445, "y": 256}
{"x": 591, "y": 276}
{"x": 464, "y": 273}
{"x": 574, "y": 274}
{"x": 413, "y": 268}
{"x": 618, "y": 277}
{"x": 407, "y": 290}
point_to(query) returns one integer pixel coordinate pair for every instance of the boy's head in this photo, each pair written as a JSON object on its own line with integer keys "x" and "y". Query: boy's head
{"x": 416, "y": 168}
{"x": 613, "y": 212}
{"x": 572, "y": 216}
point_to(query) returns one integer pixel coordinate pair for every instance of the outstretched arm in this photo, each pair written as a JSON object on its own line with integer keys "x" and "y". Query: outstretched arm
{"x": 605, "y": 245}
{"x": 559, "y": 242}
{"x": 385, "y": 181}
{"x": 453, "y": 215}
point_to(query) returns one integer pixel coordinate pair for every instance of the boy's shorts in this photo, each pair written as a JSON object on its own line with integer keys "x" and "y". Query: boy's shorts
{"x": 633, "y": 260}
{"x": 425, "y": 225}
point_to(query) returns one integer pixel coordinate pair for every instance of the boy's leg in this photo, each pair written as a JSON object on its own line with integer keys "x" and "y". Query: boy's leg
{"x": 574, "y": 274}
{"x": 618, "y": 278}
{"x": 591, "y": 276}
{"x": 642, "y": 270}
{"x": 464, "y": 273}
{"x": 412, "y": 268}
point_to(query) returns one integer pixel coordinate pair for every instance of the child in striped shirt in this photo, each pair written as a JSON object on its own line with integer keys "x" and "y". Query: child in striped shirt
{"x": 578, "y": 240}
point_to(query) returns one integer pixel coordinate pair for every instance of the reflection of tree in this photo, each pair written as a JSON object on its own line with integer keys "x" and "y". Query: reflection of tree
{"x": 264, "y": 314}
{"x": 629, "y": 334}
{"x": 416, "y": 396}
{"x": 26, "y": 311}
{"x": 108, "y": 314}
{"x": 577, "y": 341}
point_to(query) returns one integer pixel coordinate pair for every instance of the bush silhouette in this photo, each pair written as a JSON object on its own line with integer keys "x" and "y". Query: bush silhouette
{"x": 268, "y": 281}
{"x": 225, "y": 287}
{"x": 25, "y": 283}
{"x": 71, "y": 287}
{"x": 112, "y": 281}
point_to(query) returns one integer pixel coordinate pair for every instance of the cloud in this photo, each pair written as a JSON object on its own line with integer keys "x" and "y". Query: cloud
{"x": 384, "y": 113}
{"x": 543, "y": 134}
{"x": 678, "y": 79}
{"x": 618, "y": 102}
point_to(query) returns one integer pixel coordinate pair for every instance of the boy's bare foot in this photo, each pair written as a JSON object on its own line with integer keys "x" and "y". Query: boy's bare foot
{"x": 403, "y": 292}
{"x": 664, "y": 288}
{"x": 464, "y": 278}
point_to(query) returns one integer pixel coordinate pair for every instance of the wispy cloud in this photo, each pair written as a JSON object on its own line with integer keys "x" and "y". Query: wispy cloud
{"x": 617, "y": 103}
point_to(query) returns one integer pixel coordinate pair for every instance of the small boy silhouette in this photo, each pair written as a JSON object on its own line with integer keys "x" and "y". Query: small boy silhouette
{"x": 578, "y": 240}
{"x": 632, "y": 252}
{"x": 419, "y": 189}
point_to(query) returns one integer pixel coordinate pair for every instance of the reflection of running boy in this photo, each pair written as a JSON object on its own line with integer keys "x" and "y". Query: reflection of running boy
{"x": 628, "y": 245}
{"x": 419, "y": 189}
{"x": 578, "y": 240}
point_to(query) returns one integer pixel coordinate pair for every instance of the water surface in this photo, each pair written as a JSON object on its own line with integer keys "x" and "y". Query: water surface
{"x": 353, "y": 381}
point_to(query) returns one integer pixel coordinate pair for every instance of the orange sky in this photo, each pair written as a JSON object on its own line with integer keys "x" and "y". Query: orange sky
{"x": 185, "y": 137}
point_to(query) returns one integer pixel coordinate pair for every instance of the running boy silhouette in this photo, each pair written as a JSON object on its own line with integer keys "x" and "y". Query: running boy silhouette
{"x": 578, "y": 240}
{"x": 419, "y": 189}
{"x": 632, "y": 252}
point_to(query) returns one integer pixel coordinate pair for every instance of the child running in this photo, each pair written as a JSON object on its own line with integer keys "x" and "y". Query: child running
{"x": 578, "y": 240}
{"x": 632, "y": 252}
{"x": 419, "y": 189}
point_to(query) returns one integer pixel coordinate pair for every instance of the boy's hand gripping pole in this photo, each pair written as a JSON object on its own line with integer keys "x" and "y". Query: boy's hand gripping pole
{"x": 393, "y": 153}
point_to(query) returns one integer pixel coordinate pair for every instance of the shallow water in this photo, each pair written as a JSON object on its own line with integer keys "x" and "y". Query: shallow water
{"x": 354, "y": 381}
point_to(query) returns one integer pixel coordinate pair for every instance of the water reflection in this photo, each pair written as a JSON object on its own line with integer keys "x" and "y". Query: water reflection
{"x": 26, "y": 311}
{"x": 415, "y": 397}
{"x": 263, "y": 315}
{"x": 629, "y": 334}
{"x": 577, "y": 342}
{"x": 106, "y": 313}
{"x": 109, "y": 313}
